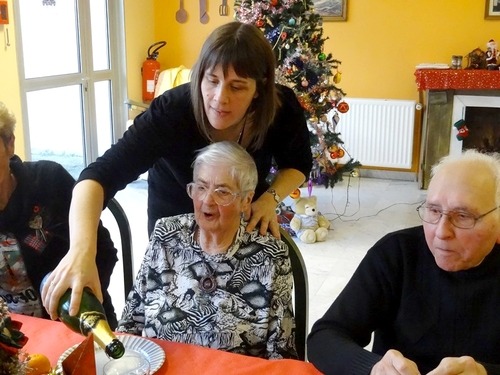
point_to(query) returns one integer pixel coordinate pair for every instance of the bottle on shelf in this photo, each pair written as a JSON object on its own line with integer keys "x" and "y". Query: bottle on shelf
{"x": 91, "y": 317}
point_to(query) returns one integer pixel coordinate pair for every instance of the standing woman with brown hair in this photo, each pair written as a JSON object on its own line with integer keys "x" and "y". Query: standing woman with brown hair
{"x": 232, "y": 96}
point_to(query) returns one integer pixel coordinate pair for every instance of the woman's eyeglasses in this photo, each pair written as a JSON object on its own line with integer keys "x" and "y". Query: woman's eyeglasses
{"x": 221, "y": 196}
{"x": 459, "y": 219}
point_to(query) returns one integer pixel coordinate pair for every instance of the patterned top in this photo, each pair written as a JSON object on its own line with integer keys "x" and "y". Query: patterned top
{"x": 249, "y": 312}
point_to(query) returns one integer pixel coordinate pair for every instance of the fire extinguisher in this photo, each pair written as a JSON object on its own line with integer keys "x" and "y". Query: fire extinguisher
{"x": 150, "y": 71}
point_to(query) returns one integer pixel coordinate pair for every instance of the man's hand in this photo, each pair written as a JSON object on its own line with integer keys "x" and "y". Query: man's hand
{"x": 394, "y": 363}
{"x": 72, "y": 272}
{"x": 461, "y": 365}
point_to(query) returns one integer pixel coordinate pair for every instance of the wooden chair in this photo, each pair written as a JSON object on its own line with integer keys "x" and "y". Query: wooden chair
{"x": 126, "y": 243}
{"x": 301, "y": 294}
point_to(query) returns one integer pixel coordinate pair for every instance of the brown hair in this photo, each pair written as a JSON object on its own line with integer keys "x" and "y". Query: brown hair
{"x": 244, "y": 48}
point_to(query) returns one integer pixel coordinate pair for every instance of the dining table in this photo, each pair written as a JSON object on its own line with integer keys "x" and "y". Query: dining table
{"x": 53, "y": 338}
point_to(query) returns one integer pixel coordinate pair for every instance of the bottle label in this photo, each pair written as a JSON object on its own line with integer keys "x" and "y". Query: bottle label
{"x": 89, "y": 321}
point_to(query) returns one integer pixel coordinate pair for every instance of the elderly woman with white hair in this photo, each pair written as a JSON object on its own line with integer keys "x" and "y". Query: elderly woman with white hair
{"x": 204, "y": 280}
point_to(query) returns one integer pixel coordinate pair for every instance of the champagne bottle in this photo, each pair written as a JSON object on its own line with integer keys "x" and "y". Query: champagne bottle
{"x": 91, "y": 317}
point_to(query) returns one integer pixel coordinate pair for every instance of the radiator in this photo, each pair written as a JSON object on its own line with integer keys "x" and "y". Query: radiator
{"x": 378, "y": 132}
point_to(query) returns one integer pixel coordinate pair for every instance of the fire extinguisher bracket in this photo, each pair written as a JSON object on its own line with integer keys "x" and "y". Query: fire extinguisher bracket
{"x": 150, "y": 71}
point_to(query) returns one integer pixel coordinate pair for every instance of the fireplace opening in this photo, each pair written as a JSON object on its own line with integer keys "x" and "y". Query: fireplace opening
{"x": 481, "y": 115}
{"x": 483, "y": 124}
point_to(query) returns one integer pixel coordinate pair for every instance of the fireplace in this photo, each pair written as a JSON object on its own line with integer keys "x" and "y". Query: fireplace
{"x": 448, "y": 96}
{"x": 481, "y": 115}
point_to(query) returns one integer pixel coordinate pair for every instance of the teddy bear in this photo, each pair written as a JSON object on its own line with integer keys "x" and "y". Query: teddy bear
{"x": 309, "y": 225}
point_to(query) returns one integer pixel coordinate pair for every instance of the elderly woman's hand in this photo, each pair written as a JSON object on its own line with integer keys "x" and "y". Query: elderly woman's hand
{"x": 74, "y": 271}
{"x": 263, "y": 212}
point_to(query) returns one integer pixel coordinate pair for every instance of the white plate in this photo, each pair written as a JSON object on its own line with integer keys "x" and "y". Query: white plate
{"x": 151, "y": 350}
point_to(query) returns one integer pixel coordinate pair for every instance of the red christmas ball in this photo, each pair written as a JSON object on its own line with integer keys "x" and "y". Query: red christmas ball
{"x": 274, "y": 2}
{"x": 342, "y": 107}
{"x": 259, "y": 23}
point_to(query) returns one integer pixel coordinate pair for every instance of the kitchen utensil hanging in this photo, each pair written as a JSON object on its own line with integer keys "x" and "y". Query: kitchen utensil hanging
{"x": 203, "y": 12}
{"x": 181, "y": 15}
{"x": 223, "y": 8}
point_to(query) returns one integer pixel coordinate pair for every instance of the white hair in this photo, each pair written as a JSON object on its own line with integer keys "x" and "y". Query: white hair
{"x": 489, "y": 160}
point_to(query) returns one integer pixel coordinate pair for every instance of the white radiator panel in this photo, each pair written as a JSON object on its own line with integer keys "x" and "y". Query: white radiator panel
{"x": 378, "y": 132}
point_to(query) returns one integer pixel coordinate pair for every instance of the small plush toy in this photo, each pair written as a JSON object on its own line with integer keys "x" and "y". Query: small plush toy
{"x": 307, "y": 223}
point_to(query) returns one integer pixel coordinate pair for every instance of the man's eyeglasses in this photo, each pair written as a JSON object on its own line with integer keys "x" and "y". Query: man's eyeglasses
{"x": 459, "y": 219}
{"x": 221, "y": 196}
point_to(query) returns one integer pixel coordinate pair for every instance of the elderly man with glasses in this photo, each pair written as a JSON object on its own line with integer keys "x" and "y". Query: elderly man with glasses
{"x": 429, "y": 294}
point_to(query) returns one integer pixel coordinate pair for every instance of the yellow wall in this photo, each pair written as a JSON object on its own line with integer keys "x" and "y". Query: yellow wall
{"x": 139, "y": 35}
{"x": 379, "y": 45}
{"x": 9, "y": 82}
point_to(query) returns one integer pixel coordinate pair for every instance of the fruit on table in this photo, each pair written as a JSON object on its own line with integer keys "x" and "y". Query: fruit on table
{"x": 38, "y": 364}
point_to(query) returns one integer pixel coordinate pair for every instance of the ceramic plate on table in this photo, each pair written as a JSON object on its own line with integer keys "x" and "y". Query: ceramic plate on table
{"x": 151, "y": 350}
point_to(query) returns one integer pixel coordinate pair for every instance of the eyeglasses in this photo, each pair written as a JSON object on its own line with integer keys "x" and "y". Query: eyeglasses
{"x": 221, "y": 196}
{"x": 459, "y": 219}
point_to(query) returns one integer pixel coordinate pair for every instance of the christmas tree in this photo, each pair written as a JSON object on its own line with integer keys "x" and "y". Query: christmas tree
{"x": 296, "y": 35}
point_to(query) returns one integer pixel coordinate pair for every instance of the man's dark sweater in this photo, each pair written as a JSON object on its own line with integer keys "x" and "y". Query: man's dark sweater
{"x": 413, "y": 306}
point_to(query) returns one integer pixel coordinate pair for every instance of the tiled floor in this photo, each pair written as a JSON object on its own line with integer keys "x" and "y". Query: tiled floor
{"x": 361, "y": 210}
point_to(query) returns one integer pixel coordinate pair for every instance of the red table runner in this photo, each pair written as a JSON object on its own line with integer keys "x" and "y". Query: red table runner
{"x": 448, "y": 79}
{"x": 53, "y": 338}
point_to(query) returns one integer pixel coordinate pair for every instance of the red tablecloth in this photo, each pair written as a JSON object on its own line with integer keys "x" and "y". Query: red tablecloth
{"x": 447, "y": 79}
{"x": 53, "y": 338}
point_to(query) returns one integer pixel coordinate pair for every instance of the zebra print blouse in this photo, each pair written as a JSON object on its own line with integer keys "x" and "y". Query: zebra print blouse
{"x": 249, "y": 312}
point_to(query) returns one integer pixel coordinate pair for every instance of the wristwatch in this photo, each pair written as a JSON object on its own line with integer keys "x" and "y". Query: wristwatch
{"x": 275, "y": 195}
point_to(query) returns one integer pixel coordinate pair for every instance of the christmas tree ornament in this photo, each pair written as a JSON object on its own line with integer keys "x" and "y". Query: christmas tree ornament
{"x": 304, "y": 83}
{"x": 321, "y": 57}
{"x": 337, "y": 77}
{"x": 259, "y": 23}
{"x": 333, "y": 148}
{"x": 283, "y": 35}
{"x": 274, "y": 2}
{"x": 340, "y": 153}
{"x": 334, "y": 155}
{"x": 335, "y": 119}
{"x": 291, "y": 21}
{"x": 342, "y": 107}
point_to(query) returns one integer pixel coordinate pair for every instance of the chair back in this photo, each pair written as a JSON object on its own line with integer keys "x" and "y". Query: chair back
{"x": 301, "y": 294}
{"x": 126, "y": 243}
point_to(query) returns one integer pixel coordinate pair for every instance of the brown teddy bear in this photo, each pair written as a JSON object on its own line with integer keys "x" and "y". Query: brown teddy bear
{"x": 309, "y": 225}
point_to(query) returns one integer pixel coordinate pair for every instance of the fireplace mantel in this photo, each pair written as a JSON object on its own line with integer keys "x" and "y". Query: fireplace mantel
{"x": 447, "y": 79}
{"x": 437, "y": 89}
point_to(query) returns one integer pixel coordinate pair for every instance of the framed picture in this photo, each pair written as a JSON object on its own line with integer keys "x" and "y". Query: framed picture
{"x": 333, "y": 10}
{"x": 492, "y": 10}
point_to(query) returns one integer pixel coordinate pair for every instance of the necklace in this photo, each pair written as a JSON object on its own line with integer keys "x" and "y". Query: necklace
{"x": 240, "y": 137}
{"x": 208, "y": 283}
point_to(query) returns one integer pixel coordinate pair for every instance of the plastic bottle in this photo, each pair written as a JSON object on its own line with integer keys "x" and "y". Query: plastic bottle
{"x": 91, "y": 317}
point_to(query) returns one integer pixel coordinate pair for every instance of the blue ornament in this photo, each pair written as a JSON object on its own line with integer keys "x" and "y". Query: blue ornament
{"x": 291, "y": 21}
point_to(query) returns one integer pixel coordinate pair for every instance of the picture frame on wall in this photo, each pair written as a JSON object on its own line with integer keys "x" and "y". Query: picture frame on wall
{"x": 492, "y": 11}
{"x": 331, "y": 10}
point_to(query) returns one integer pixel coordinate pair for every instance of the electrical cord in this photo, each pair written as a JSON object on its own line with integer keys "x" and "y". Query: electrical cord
{"x": 342, "y": 215}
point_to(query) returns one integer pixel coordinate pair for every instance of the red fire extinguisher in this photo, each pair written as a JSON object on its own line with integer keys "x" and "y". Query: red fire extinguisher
{"x": 150, "y": 71}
